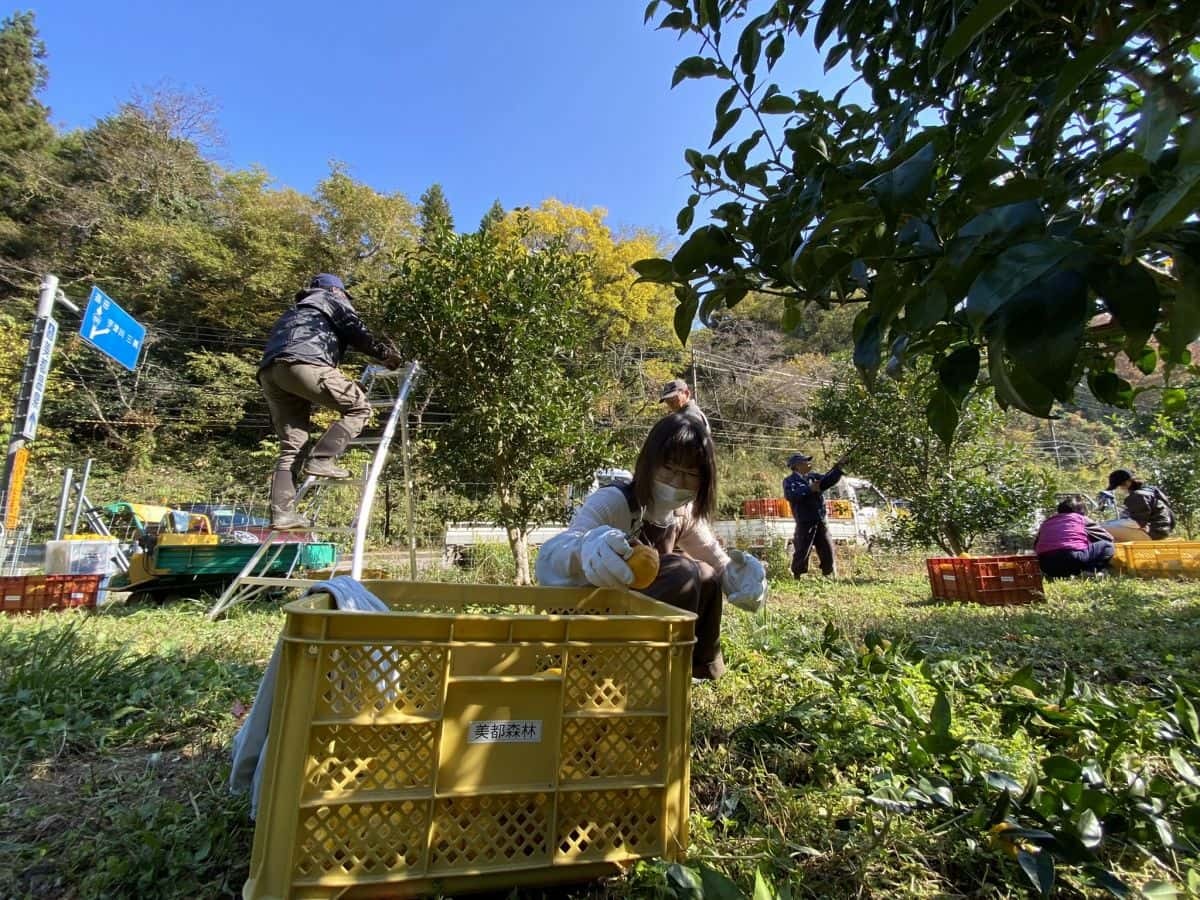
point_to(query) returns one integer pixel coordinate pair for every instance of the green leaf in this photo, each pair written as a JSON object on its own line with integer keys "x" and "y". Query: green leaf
{"x": 1186, "y": 713}
{"x": 1062, "y": 767}
{"x": 777, "y": 104}
{"x": 716, "y": 886}
{"x": 1109, "y": 882}
{"x": 1131, "y": 294}
{"x": 867, "y": 354}
{"x": 763, "y": 889}
{"x": 1183, "y": 321}
{"x": 712, "y": 15}
{"x": 1043, "y": 329}
{"x": 1155, "y": 124}
{"x": 1012, "y": 272}
{"x": 655, "y": 270}
{"x": 726, "y": 100}
{"x": 835, "y": 56}
{"x": 1002, "y": 781}
{"x": 1090, "y": 832}
{"x": 1159, "y": 890}
{"x": 906, "y": 187}
{"x": 685, "y": 312}
{"x": 827, "y": 21}
{"x": 959, "y": 371}
{"x": 684, "y": 883}
{"x": 927, "y": 306}
{"x": 942, "y": 415}
{"x": 1174, "y": 400}
{"x": 1125, "y": 162}
{"x": 650, "y": 8}
{"x": 978, "y": 19}
{"x": 749, "y": 48}
{"x": 774, "y": 50}
{"x": 1184, "y": 768}
{"x": 724, "y": 124}
{"x": 1091, "y": 59}
{"x": 998, "y": 127}
{"x": 1171, "y": 206}
{"x": 683, "y": 221}
{"x": 694, "y": 67}
{"x": 1014, "y": 388}
{"x": 845, "y": 214}
{"x": 707, "y": 246}
{"x": 1039, "y": 867}
{"x": 1146, "y": 361}
{"x": 1109, "y": 387}
{"x": 693, "y": 159}
{"x": 939, "y": 716}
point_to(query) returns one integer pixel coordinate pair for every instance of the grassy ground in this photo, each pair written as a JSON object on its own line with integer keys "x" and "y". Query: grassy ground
{"x": 864, "y": 743}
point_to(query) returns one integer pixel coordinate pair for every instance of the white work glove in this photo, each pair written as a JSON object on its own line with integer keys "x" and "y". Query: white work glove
{"x": 602, "y": 556}
{"x": 745, "y": 581}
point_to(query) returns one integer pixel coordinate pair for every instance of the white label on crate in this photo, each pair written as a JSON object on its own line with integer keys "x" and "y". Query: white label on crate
{"x": 949, "y": 578}
{"x": 1007, "y": 578}
{"x": 506, "y": 731}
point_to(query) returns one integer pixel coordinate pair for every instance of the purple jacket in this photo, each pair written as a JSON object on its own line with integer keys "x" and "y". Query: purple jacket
{"x": 1065, "y": 531}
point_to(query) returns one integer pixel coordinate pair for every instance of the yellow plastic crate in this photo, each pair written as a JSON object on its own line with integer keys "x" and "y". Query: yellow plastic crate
{"x": 1158, "y": 559}
{"x": 474, "y": 738}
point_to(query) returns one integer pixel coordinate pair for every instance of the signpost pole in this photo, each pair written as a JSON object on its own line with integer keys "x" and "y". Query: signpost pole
{"x": 38, "y": 347}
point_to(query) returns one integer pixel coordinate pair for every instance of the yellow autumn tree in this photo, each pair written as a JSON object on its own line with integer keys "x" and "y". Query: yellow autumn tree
{"x": 623, "y": 313}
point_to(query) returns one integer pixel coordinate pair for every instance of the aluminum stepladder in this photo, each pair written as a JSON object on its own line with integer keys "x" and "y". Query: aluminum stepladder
{"x": 386, "y": 389}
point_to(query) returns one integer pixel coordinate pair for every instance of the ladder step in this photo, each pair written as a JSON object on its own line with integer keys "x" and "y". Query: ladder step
{"x": 386, "y": 403}
{"x": 367, "y": 441}
{"x": 263, "y": 581}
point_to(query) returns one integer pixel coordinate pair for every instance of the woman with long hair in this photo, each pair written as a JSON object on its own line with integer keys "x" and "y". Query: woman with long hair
{"x": 666, "y": 506}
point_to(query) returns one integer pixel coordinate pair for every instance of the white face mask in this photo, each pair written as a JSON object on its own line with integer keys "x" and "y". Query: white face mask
{"x": 669, "y": 496}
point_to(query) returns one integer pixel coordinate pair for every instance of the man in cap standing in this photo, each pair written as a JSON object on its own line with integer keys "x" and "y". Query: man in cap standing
{"x": 804, "y": 490}
{"x": 678, "y": 398}
{"x": 299, "y": 371}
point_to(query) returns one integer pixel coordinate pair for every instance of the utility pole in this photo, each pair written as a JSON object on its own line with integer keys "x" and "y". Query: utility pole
{"x": 29, "y": 398}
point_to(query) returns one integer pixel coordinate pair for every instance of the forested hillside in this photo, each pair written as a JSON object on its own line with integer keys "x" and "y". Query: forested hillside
{"x": 208, "y": 256}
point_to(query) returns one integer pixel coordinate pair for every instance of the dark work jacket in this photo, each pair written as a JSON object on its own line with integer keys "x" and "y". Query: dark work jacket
{"x": 317, "y": 330}
{"x": 1148, "y": 507}
{"x": 808, "y": 505}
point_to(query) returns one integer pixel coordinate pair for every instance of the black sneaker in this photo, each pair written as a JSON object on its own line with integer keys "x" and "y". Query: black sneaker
{"x": 325, "y": 468}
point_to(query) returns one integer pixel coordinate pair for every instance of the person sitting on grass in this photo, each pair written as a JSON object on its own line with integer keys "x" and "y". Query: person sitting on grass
{"x": 666, "y": 506}
{"x": 1147, "y": 511}
{"x": 1070, "y": 543}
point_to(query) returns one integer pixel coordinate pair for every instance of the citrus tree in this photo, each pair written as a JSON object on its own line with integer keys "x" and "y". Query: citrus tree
{"x": 495, "y": 325}
{"x": 1002, "y": 173}
{"x": 979, "y": 487}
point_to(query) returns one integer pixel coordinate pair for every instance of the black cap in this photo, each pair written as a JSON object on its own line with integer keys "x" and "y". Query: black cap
{"x": 1118, "y": 477}
{"x": 671, "y": 388}
{"x": 798, "y": 458}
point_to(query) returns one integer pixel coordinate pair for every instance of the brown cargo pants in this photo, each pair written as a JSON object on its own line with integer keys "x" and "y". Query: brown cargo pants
{"x": 292, "y": 390}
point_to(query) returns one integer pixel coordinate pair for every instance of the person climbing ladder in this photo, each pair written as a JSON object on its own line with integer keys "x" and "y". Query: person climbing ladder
{"x": 299, "y": 371}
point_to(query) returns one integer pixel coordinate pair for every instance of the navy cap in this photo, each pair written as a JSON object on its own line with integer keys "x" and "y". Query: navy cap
{"x": 798, "y": 458}
{"x": 326, "y": 281}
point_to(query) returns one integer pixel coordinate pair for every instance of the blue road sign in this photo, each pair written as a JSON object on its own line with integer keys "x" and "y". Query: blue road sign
{"x": 111, "y": 330}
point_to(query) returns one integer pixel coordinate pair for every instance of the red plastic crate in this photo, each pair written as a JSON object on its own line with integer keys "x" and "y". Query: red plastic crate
{"x": 989, "y": 580}
{"x": 38, "y": 593}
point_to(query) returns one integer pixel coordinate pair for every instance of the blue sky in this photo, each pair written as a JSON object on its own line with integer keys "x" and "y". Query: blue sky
{"x": 518, "y": 100}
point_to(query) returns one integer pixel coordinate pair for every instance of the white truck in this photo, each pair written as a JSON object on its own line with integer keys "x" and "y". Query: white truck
{"x": 859, "y": 513}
